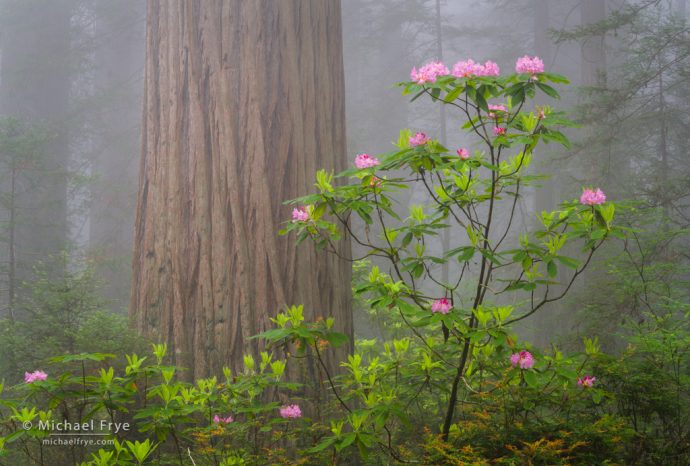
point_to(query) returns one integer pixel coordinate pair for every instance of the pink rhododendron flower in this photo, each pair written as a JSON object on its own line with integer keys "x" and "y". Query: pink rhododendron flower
{"x": 419, "y": 139}
{"x": 499, "y": 131}
{"x": 531, "y": 65}
{"x": 365, "y": 161}
{"x": 36, "y": 376}
{"x": 489, "y": 69}
{"x": 429, "y": 72}
{"x": 222, "y": 420}
{"x": 465, "y": 69}
{"x": 300, "y": 214}
{"x": 524, "y": 359}
{"x": 587, "y": 381}
{"x": 441, "y": 305}
{"x": 496, "y": 110}
{"x": 592, "y": 197}
{"x": 463, "y": 153}
{"x": 290, "y": 411}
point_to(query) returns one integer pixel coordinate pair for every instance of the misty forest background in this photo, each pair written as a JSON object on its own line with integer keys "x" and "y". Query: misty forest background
{"x": 74, "y": 177}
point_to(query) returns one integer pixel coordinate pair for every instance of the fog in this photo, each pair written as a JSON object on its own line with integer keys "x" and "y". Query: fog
{"x": 72, "y": 80}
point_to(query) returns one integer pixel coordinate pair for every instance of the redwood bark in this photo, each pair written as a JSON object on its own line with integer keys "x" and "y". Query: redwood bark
{"x": 243, "y": 102}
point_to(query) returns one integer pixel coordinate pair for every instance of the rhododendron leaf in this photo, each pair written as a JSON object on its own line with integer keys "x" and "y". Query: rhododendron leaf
{"x": 490, "y": 255}
{"x": 551, "y": 268}
{"x": 548, "y": 90}
{"x": 481, "y": 101}
{"x": 568, "y": 261}
{"x": 530, "y": 378}
{"x": 336, "y": 338}
{"x": 556, "y": 136}
{"x": 454, "y": 94}
{"x": 556, "y": 78}
{"x": 597, "y": 396}
{"x": 567, "y": 374}
{"x": 418, "y": 95}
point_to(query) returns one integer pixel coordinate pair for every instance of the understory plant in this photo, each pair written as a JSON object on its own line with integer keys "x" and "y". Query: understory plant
{"x": 494, "y": 277}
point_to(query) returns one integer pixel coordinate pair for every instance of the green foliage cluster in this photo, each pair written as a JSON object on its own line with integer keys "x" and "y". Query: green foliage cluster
{"x": 387, "y": 406}
{"x": 59, "y": 312}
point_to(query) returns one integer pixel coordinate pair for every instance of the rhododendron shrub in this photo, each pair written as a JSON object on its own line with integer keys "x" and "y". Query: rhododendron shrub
{"x": 476, "y": 198}
{"x": 160, "y": 416}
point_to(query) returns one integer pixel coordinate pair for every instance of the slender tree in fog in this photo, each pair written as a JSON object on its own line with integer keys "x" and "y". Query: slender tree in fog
{"x": 35, "y": 72}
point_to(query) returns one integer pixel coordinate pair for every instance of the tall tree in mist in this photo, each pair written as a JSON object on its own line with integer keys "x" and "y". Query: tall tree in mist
{"x": 244, "y": 101}
{"x": 118, "y": 56}
{"x": 35, "y": 87}
{"x": 593, "y": 69}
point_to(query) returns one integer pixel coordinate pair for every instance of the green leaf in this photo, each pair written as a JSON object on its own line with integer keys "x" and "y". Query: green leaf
{"x": 551, "y": 268}
{"x": 452, "y": 95}
{"x": 336, "y": 338}
{"x": 556, "y": 78}
{"x": 530, "y": 378}
{"x": 548, "y": 90}
{"x": 568, "y": 262}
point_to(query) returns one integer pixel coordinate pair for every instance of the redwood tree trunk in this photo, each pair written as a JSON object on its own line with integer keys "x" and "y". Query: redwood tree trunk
{"x": 244, "y": 101}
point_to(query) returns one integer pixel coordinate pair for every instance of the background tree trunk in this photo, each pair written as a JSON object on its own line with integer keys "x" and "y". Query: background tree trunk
{"x": 36, "y": 78}
{"x": 119, "y": 58}
{"x": 593, "y": 71}
{"x": 243, "y": 102}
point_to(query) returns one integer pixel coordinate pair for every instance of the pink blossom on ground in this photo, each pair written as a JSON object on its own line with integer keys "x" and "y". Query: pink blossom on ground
{"x": 36, "y": 376}
{"x": 531, "y": 65}
{"x": 587, "y": 381}
{"x": 499, "y": 131}
{"x": 222, "y": 420}
{"x": 592, "y": 197}
{"x": 441, "y": 305}
{"x": 300, "y": 214}
{"x": 419, "y": 139}
{"x": 290, "y": 411}
{"x": 496, "y": 110}
{"x": 524, "y": 359}
{"x": 463, "y": 153}
{"x": 365, "y": 161}
{"x": 429, "y": 72}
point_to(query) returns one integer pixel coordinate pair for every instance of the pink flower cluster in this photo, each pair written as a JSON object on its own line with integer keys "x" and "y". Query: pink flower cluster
{"x": 290, "y": 411}
{"x": 419, "y": 139}
{"x": 496, "y": 110}
{"x": 524, "y": 359}
{"x": 531, "y": 65}
{"x": 467, "y": 68}
{"x": 441, "y": 305}
{"x": 300, "y": 214}
{"x": 365, "y": 161}
{"x": 429, "y": 72}
{"x": 587, "y": 381}
{"x": 499, "y": 131}
{"x": 463, "y": 153}
{"x": 222, "y": 420}
{"x": 592, "y": 197}
{"x": 36, "y": 376}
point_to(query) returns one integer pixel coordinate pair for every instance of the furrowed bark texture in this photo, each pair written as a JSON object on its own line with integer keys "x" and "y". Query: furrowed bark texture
{"x": 244, "y": 101}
